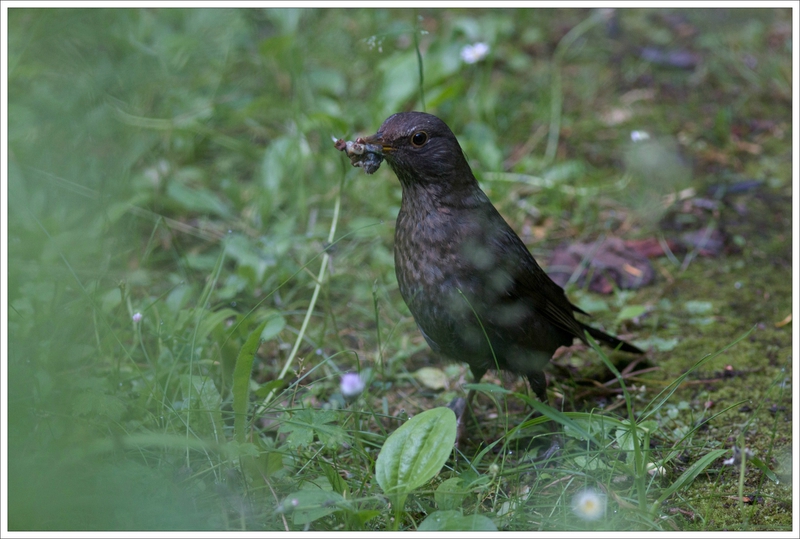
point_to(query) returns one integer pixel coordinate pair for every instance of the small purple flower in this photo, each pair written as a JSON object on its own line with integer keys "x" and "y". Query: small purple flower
{"x": 474, "y": 53}
{"x": 351, "y": 385}
{"x": 137, "y": 317}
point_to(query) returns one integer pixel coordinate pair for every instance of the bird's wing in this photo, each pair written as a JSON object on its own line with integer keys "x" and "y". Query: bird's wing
{"x": 530, "y": 281}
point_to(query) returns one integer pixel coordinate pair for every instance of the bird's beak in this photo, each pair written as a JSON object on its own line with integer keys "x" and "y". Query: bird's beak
{"x": 376, "y": 144}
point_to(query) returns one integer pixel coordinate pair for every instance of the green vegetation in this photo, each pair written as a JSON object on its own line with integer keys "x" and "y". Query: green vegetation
{"x": 193, "y": 267}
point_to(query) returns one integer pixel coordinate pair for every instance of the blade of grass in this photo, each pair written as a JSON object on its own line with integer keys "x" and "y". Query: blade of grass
{"x": 667, "y": 392}
{"x": 320, "y": 279}
{"x": 639, "y": 461}
{"x": 688, "y": 476}
{"x": 556, "y": 95}
{"x": 241, "y": 381}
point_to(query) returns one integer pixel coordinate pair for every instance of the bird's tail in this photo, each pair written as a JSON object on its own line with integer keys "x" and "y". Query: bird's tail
{"x": 610, "y": 340}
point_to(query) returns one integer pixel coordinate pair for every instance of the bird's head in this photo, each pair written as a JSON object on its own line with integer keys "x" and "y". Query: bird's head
{"x": 422, "y": 151}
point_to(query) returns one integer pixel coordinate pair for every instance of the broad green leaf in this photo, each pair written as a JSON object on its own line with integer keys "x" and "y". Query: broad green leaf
{"x": 274, "y": 324}
{"x": 592, "y": 304}
{"x": 299, "y": 431}
{"x": 202, "y": 393}
{"x": 688, "y": 476}
{"x": 592, "y": 462}
{"x": 631, "y": 311}
{"x": 624, "y": 434}
{"x": 455, "y": 521}
{"x": 450, "y": 494}
{"x": 595, "y": 424}
{"x": 212, "y": 320}
{"x": 366, "y": 515}
{"x": 94, "y": 403}
{"x": 416, "y": 451}
{"x": 337, "y": 482}
{"x": 273, "y": 462}
{"x": 306, "y": 422}
{"x": 312, "y": 504}
{"x": 241, "y": 381}
{"x": 235, "y": 450}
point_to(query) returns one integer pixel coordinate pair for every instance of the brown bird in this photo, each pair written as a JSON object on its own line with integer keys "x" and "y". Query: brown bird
{"x": 475, "y": 291}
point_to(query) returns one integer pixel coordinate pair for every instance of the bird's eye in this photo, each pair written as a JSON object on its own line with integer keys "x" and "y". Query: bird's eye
{"x": 419, "y": 138}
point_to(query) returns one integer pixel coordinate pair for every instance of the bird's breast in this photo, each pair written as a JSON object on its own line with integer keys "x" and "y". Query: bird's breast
{"x": 443, "y": 263}
{"x": 423, "y": 252}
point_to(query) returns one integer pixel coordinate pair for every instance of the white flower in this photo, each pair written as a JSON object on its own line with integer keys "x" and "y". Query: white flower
{"x": 288, "y": 505}
{"x": 351, "y": 385}
{"x": 736, "y": 459}
{"x": 638, "y": 136}
{"x": 474, "y": 53}
{"x": 137, "y": 317}
{"x": 589, "y": 504}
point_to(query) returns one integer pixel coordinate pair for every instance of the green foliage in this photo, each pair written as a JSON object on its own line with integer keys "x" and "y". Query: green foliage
{"x": 312, "y": 504}
{"x": 454, "y": 521}
{"x": 415, "y": 452}
{"x": 306, "y": 423}
{"x": 241, "y": 380}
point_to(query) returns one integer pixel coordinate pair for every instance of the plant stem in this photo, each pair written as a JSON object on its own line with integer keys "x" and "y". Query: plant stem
{"x": 320, "y": 277}
{"x": 556, "y": 97}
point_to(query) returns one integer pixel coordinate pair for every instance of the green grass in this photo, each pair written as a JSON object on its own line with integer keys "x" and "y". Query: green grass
{"x": 178, "y": 164}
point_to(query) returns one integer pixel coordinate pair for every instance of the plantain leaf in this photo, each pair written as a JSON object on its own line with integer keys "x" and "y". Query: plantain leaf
{"x": 415, "y": 452}
{"x": 450, "y": 494}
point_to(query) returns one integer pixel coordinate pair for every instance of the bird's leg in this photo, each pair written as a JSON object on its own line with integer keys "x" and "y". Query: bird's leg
{"x": 538, "y": 383}
{"x": 459, "y": 405}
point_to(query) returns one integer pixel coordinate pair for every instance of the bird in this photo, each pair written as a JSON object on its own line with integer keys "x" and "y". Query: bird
{"x": 474, "y": 289}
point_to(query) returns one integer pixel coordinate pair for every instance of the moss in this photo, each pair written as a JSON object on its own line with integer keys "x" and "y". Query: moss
{"x": 751, "y": 292}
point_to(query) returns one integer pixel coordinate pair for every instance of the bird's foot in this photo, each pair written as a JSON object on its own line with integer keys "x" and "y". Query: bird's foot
{"x": 555, "y": 448}
{"x": 459, "y": 407}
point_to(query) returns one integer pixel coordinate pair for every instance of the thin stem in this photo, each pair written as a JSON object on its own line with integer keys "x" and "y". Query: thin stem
{"x": 556, "y": 97}
{"x": 419, "y": 62}
{"x": 320, "y": 277}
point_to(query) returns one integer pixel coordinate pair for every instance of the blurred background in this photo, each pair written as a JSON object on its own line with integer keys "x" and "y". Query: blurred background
{"x": 172, "y": 183}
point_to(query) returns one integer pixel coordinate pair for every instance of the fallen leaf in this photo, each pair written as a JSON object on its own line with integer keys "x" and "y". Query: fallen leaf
{"x": 607, "y": 265}
{"x": 431, "y": 377}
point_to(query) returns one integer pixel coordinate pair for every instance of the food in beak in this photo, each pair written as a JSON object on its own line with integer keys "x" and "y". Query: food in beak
{"x": 361, "y": 153}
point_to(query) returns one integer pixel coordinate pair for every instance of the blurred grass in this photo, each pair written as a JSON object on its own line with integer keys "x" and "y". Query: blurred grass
{"x": 177, "y": 163}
